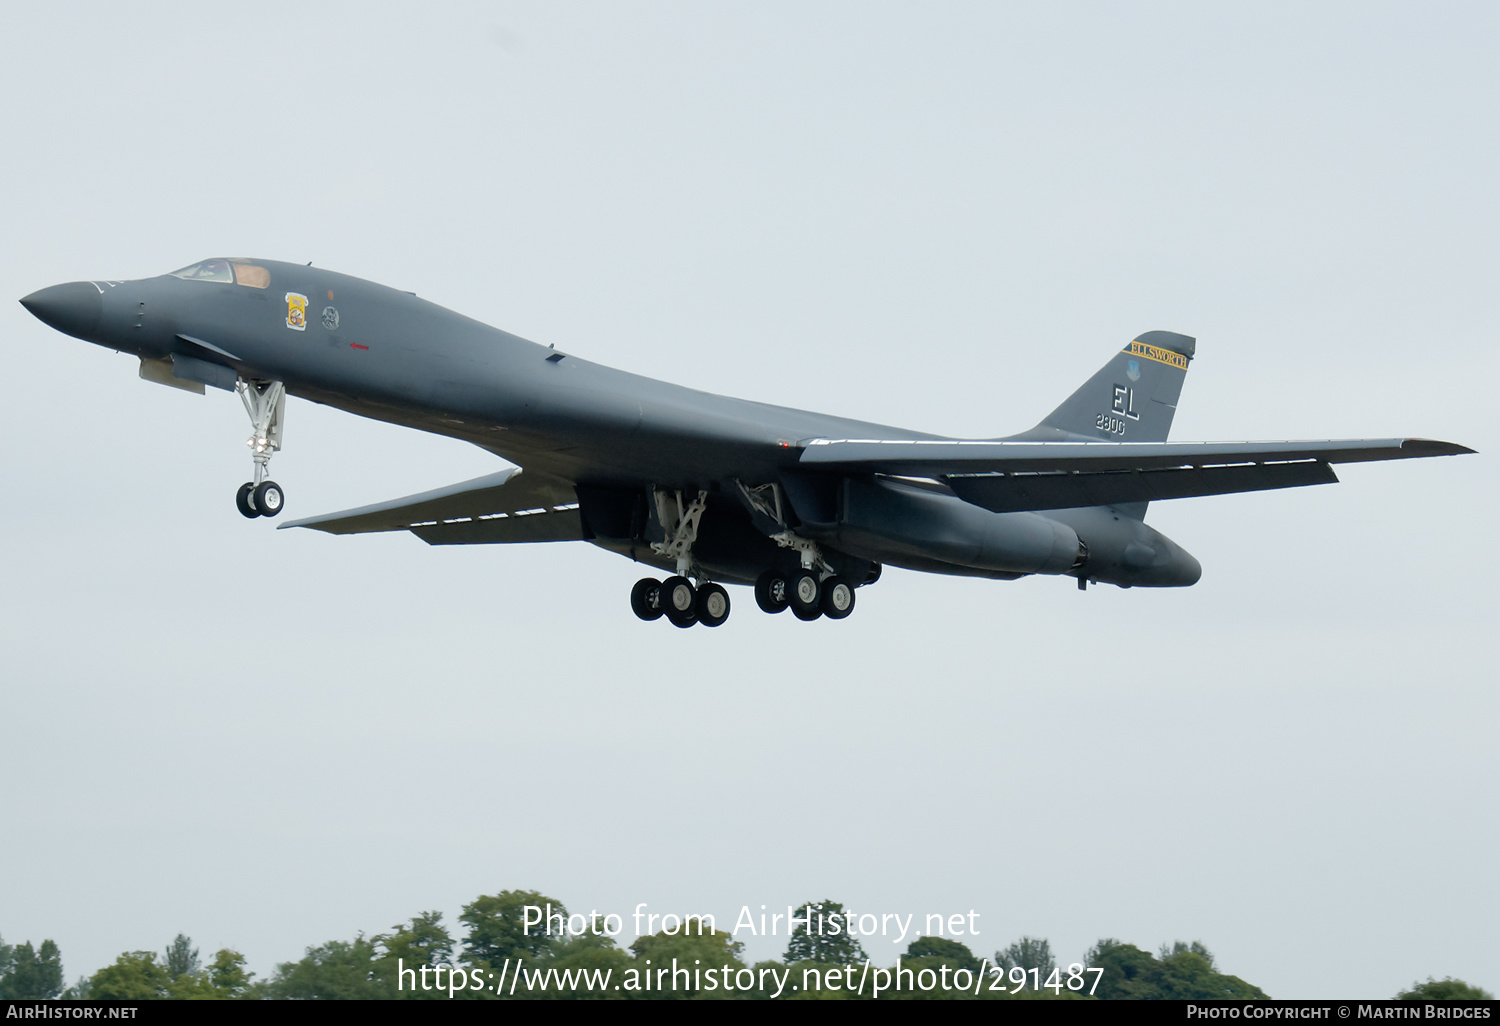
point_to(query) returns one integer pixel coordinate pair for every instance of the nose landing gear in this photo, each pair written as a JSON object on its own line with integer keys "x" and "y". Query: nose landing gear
{"x": 265, "y": 402}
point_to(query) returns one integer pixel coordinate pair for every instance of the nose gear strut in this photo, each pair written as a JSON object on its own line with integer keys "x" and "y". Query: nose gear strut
{"x": 265, "y": 402}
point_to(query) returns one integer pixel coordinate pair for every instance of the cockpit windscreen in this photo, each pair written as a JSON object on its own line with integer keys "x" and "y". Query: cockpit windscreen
{"x": 218, "y": 269}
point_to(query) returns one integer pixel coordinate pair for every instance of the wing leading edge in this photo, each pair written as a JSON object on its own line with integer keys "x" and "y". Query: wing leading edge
{"x": 1014, "y": 476}
{"x": 510, "y": 506}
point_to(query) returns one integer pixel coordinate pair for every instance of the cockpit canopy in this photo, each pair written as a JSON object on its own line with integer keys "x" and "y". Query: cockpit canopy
{"x": 219, "y": 269}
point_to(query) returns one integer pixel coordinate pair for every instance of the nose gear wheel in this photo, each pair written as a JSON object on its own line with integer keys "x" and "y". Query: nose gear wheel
{"x": 243, "y": 500}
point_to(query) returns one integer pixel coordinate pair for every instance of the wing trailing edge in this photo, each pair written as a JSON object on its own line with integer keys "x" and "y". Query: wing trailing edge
{"x": 511, "y": 506}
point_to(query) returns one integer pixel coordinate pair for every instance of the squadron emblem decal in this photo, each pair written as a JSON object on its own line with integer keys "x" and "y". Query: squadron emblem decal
{"x": 330, "y": 318}
{"x": 296, "y": 311}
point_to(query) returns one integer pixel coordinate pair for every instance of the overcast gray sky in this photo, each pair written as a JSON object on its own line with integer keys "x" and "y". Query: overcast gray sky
{"x": 943, "y": 216}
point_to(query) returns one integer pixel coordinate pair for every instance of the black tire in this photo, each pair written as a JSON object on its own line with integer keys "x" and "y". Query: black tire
{"x": 245, "y": 501}
{"x": 771, "y": 592}
{"x": 838, "y": 598}
{"x": 804, "y": 590}
{"x": 712, "y": 605}
{"x": 268, "y": 498}
{"x": 679, "y": 601}
{"x": 806, "y": 614}
{"x": 645, "y": 598}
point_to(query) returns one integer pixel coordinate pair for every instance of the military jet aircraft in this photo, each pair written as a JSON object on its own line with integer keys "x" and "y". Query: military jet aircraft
{"x": 710, "y": 490}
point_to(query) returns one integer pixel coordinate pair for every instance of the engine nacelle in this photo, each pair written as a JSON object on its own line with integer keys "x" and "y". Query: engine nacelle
{"x": 1122, "y": 550}
{"x": 908, "y": 525}
{"x": 927, "y": 528}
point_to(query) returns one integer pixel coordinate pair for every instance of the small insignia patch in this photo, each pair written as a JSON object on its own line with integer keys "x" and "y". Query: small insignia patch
{"x": 1133, "y": 371}
{"x": 296, "y": 311}
{"x": 330, "y": 318}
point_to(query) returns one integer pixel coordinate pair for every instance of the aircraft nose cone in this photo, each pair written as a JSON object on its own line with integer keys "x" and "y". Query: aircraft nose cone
{"x": 73, "y": 308}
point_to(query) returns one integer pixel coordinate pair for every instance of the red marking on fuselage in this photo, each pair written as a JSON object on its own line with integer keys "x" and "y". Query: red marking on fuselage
{"x": 356, "y": 345}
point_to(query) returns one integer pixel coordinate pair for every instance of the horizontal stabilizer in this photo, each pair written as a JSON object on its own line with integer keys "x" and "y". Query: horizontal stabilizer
{"x": 477, "y": 511}
{"x": 1011, "y": 476}
{"x": 939, "y": 457}
{"x": 1010, "y": 493}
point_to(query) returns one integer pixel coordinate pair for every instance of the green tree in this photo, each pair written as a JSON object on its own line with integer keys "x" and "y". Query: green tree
{"x": 135, "y": 976}
{"x": 1169, "y": 951}
{"x": 407, "y": 950}
{"x": 777, "y": 970}
{"x": 1446, "y": 989}
{"x": 182, "y": 958}
{"x": 826, "y": 938}
{"x": 1127, "y": 969}
{"x": 192, "y": 988}
{"x": 31, "y": 974}
{"x": 940, "y": 958}
{"x": 950, "y": 951}
{"x": 1186, "y": 972}
{"x": 81, "y": 990}
{"x": 587, "y": 953}
{"x": 227, "y": 973}
{"x": 338, "y": 970}
{"x": 225, "y": 978}
{"x": 1028, "y": 953}
{"x": 498, "y": 930}
{"x": 693, "y": 949}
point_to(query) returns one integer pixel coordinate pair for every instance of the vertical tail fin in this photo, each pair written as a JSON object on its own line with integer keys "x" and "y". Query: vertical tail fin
{"x": 1131, "y": 399}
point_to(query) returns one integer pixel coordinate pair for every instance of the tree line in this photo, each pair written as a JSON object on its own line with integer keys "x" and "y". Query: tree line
{"x": 499, "y": 958}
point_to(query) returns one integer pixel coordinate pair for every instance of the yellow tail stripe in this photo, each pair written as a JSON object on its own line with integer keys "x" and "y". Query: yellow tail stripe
{"x": 1165, "y": 356}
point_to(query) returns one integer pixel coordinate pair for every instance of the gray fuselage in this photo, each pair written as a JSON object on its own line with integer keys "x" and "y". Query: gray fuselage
{"x": 389, "y": 355}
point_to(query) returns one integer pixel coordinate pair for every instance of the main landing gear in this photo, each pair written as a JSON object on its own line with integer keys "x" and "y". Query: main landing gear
{"x": 265, "y": 401}
{"x": 677, "y": 598}
{"x": 811, "y": 592}
{"x": 805, "y": 593}
{"x": 682, "y": 604}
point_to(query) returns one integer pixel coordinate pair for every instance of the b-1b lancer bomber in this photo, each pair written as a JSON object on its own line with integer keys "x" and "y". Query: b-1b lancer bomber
{"x": 710, "y": 490}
